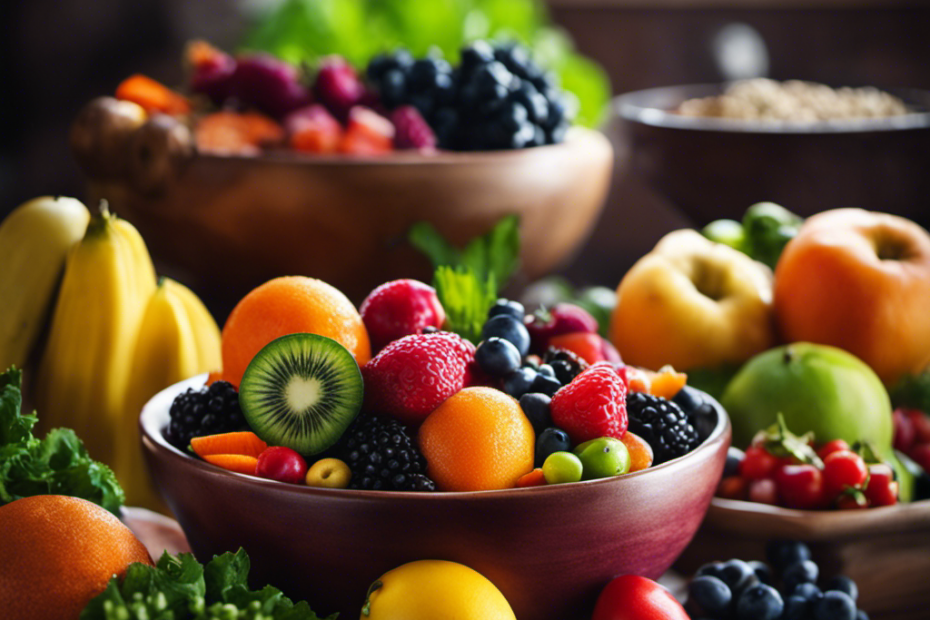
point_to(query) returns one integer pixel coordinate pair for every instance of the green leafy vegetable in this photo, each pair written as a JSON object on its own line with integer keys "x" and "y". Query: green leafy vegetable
{"x": 56, "y": 465}
{"x": 305, "y": 30}
{"x": 466, "y": 300}
{"x": 179, "y": 588}
{"x": 496, "y": 253}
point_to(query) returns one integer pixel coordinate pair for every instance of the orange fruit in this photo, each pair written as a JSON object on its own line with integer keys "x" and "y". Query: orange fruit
{"x": 477, "y": 440}
{"x": 57, "y": 553}
{"x": 290, "y": 305}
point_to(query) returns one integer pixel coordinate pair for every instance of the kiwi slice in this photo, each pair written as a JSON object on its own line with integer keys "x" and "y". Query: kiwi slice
{"x": 301, "y": 391}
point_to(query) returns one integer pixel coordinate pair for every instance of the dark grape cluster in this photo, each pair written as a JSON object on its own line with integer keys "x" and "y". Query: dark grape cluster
{"x": 663, "y": 424}
{"x": 383, "y": 456}
{"x": 497, "y": 98}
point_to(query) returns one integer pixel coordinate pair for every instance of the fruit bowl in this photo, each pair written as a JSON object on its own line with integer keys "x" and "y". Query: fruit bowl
{"x": 714, "y": 168}
{"x": 232, "y": 222}
{"x": 886, "y": 551}
{"x": 549, "y": 549}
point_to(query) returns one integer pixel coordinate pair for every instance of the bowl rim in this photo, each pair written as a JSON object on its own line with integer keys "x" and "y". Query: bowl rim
{"x": 575, "y": 137}
{"x": 151, "y": 424}
{"x": 636, "y": 107}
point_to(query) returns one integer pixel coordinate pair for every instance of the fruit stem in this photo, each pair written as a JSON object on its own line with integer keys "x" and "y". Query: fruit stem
{"x": 366, "y": 608}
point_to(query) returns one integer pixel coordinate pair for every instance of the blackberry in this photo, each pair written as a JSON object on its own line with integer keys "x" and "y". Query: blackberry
{"x": 207, "y": 411}
{"x": 383, "y": 456}
{"x": 566, "y": 364}
{"x": 662, "y": 424}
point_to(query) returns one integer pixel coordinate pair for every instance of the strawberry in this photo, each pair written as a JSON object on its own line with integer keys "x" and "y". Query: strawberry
{"x": 412, "y": 376}
{"x": 313, "y": 129}
{"x": 367, "y": 133}
{"x": 412, "y": 132}
{"x": 561, "y": 319}
{"x": 400, "y": 308}
{"x": 337, "y": 85}
{"x": 593, "y": 405}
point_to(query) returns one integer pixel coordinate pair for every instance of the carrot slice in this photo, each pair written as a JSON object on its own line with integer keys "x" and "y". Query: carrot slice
{"x": 242, "y": 443}
{"x": 152, "y": 96}
{"x": 533, "y": 479}
{"x": 234, "y": 462}
{"x": 234, "y": 133}
{"x": 667, "y": 382}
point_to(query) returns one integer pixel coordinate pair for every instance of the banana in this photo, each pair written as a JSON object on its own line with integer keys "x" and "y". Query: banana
{"x": 34, "y": 242}
{"x": 85, "y": 370}
{"x": 178, "y": 339}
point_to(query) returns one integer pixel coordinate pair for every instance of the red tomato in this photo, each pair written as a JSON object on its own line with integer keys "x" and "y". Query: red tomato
{"x": 841, "y": 469}
{"x": 882, "y": 489}
{"x": 800, "y": 486}
{"x": 832, "y": 446}
{"x": 632, "y": 597}
{"x": 758, "y": 464}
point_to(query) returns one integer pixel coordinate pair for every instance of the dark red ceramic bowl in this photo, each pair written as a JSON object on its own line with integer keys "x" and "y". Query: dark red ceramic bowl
{"x": 549, "y": 549}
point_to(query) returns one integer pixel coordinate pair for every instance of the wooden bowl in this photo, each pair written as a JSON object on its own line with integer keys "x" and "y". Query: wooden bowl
{"x": 715, "y": 168}
{"x": 229, "y": 223}
{"x": 886, "y": 551}
{"x": 549, "y": 549}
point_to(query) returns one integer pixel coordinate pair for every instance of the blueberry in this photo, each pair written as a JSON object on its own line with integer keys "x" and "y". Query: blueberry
{"x": 711, "y": 595}
{"x": 688, "y": 399}
{"x": 835, "y": 605}
{"x": 537, "y": 106}
{"x": 564, "y": 371}
{"x": 549, "y": 441}
{"x": 556, "y": 134}
{"x": 547, "y": 370}
{"x": 515, "y": 58}
{"x": 545, "y": 385}
{"x": 802, "y": 572}
{"x": 497, "y": 357}
{"x": 539, "y": 136}
{"x": 714, "y": 569}
{"x": 523, "y": 137}
{"x": 513, "y": 116}
{"x": 704, "y": 420}
{"x": 509, "y": 329}
{"x": 381, "y": 64}
{"x": 518, "y": 382}
{"x": 536, "y": 408}
{"x": 808, "y": 591}
{"x": 731, "y": 468}
{"x": 842, "y": 583}
{"x": 795, "y": 608}
{"x": 782, "y": 554}
{"x": 393, "y": 86}
{"x": 737, "y": 574}
{"x": 475, "y": 55}
{"x": 424, "y": 72}
{"x": 507, "y": 307}
{"x": 760, "y": 602}
{"x": 543, "y": 82}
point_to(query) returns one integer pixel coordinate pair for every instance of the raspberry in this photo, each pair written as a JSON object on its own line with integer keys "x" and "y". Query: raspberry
{"x": 411, "y": 131}
{"x": 313, "y": 129}
{"x": 400, "y": 308}
{"x": 367, "y": 133}
{"x": 412, "y": 376}
{"x": 337, "y": 85}
{"x": 211, "y": 71}
{"x": 593, "y": 405}
{"x": 269, "y": 84}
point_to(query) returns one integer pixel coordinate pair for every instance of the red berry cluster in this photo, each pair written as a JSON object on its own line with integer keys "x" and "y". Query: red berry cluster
{"x": 912, "y": 435}
{"x": 837, "y": 478}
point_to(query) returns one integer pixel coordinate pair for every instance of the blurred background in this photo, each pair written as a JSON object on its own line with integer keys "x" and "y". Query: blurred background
{"x": 58, "y": 54}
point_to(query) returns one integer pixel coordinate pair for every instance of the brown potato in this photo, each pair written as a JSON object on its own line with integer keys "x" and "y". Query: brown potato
{"x": 157, "y": 152}
{"x": 101, "y": 133}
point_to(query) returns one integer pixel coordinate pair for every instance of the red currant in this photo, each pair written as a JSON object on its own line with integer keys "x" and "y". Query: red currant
{"x": 763, "y": 491}
{"x": 800, "y": 486}
{"x": 758, "y": 464}
{"x": 882, "y": 489}
{"x": 281, "y": 464}
{"x": 832, "y": 446}
{"x": 842, "y": 469}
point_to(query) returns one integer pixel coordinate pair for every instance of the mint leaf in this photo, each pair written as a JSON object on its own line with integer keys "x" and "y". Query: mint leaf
{"x": 466, "y": 300}
{"x": 424, "y": 237}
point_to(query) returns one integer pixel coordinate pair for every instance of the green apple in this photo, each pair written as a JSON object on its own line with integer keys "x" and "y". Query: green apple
{"x": 603, "y": 457}
{"x": 818, "y": 389}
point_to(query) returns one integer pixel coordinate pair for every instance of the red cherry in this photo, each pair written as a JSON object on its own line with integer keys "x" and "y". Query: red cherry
{"x": 832, "y": 446}
{"x": 842, "y": 469}
{"x": 800, "y": 486}
{"x": 758, "y": 464}
{"x": 882, "y": 489}
{"x": 281, "y": 464}
{"x": 763, "y": 491}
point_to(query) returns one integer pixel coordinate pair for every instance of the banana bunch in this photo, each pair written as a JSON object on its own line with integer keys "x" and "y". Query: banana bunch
{"x": 116, "y": 336}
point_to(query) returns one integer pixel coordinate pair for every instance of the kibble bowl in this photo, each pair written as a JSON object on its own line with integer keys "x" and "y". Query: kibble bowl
{"x": 714, "y": 168}
{"x": 549, "y": 549}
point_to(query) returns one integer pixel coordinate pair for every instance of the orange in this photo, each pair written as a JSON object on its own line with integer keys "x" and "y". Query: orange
{"x": 57, "y": 553}
{"x": 289, "y": 305}
{"x": 477, "y": 440}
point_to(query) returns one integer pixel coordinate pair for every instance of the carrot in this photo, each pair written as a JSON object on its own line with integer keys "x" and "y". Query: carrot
{"x": 242, "y": 444}
{"x": 667, "y": 382}
{"x": 234, "y": 133}
{"x": 533, "y": 479}
{"x": 152, "y": 96}
{"x": 234, "y": 462}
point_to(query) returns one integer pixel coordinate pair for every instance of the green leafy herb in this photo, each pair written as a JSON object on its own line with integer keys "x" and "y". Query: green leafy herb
{"x": 781, "y": 442}
{"x": 179, "y": 588}
{"x": 466, "y": 300}
{"x": 496, "y": 253}
{"x": 56, "y": 465}
{"x": 305, "y": 30}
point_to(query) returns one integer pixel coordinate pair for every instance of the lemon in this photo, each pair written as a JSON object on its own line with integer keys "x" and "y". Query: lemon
{"x": 435, "y": 590}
